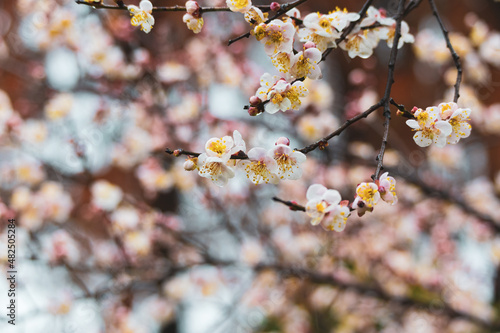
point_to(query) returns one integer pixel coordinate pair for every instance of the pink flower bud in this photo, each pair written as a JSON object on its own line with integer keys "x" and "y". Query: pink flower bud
{"x": 254, "y": 101}
{"x": 177, "y": 153}
{"x": 283, "y": 141}
{"x": 253, "y": 111}
{"x": 275, "y": 6}
{"x": 192, "y": 6}
{"x": 309, "y": 45}
{"x": 414, "y": 109}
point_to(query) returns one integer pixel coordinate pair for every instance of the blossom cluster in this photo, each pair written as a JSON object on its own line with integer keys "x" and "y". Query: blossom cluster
{"x": 327, "y": 208}
{"x": 319, "y": 32}
{"x": 223, "y": 155}
{"x": 441, "y": 125}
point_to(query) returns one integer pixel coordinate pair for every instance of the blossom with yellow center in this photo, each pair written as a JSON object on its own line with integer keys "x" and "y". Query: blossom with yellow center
{"x": 289, "y": 161}
{"x": 387, "y": 188}
{"x": 368, "y": 192}
{"x": 277, "y": 36}
{"x": 141, "y": 16}
{"x": 337, "y": 217}
{"x": 241, "y": 6}
{"x": 429, "y": 127}
{"x": 260, "y": 166}
{"x": 321, "y": 201}
{"x": 306, "y": 64}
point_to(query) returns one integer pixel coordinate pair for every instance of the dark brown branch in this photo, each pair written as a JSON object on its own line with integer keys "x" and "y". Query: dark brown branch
{"x": 292, "y": 204}
{"x": 454, "y": 55}
{"x": 348, "y": 123}
{"x": 284, "y": 8}
{"x": 388, "y": 88}
{"x": 402, "y": 111}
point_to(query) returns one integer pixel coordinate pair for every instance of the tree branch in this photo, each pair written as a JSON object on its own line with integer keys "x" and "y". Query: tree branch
{"x": 456, "y": 58}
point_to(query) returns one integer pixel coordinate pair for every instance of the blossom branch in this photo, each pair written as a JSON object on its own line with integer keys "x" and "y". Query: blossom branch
{"x": 349, "y": 28}
{"x": 322, "y": 142}
{"x": 388, "y": 88}
{"x": 176, "y": 8}
{"x": 292, "y": 204}
{"x": 456, "y": 58}
{"x": 283, "y": 9}
{"x": 177, "y": 152}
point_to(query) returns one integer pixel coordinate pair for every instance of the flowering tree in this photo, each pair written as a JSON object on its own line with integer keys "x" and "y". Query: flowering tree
{"x": 168, "y": 179}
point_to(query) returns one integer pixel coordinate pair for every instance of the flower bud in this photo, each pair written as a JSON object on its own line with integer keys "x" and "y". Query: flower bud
{"x": 309, "y": 45}
{"x": 275, "y": 6}
{"x": 192, "y": 6}
{"x": 177, "y": 153}
{"x": 254, "y": 101}
{"x": 283, "y": 141}
{"x": 414, "y": 109}
{"x": 253, "y": 111}
{"x": 190, "y": 164}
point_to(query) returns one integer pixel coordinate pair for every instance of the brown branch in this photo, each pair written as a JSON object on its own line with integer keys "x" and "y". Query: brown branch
{"x": 292, "y": 204}
{"x": 388, "y": 88}
{"x": 454, "y": 55}
{"x": 348, "y": 123}
{"x": 283, "y": 9}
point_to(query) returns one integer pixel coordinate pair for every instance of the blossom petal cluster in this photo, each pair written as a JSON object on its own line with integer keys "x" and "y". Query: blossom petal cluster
{"x": 441, "y": 125}
{"x": 369, "y": 194}
{"x": 326, "y": 207}
{"x": 141, "y": 16}
{"x": 223, "y": 156}
{"x": 193, "y": 18}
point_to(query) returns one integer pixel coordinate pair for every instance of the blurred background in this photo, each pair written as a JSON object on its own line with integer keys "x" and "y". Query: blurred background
{"x": 113, "y": 235}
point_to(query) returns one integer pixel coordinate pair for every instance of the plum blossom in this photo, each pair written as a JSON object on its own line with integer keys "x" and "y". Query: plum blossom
{"x": 255, "y": 16}
{"x": 289, "y": 161}
{"x": 360, "y": 43}
{"x": 430, "y": 128}
{"x": 337, "y": 217}
{"x": 457, "y": 118}
{"x": 267, "y": 82}
{"x": 368, "y": 193}
{"x": 342, "y": 18}
{"x": 142, "y": 15}
{"x": 277, "y": 36}
{"x": 320, "y": 202}
{"x": 306, "y": 64}
{"x": 193, "y": 23}
{"x": 260, "y": 166}
{"x": 220, "y": 147}
{"x": 296, "y": 91}
{"x": 387, "y": 188}
{"x": 278, "y": 100}
{"x": 241, "y": 6}
{"x": 388, "y": 33}
{"x": 215, "y": 168}
{"x": 321, "y": 25}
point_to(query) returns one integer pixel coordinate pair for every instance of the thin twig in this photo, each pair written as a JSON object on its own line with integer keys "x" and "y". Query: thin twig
{"x": 292, "y": 204}
{"x": 454, "y": 55}
{"x": 237, "y": 156}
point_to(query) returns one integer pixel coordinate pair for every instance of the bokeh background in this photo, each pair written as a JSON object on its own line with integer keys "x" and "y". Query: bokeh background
{"x": 113, "y": 235}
